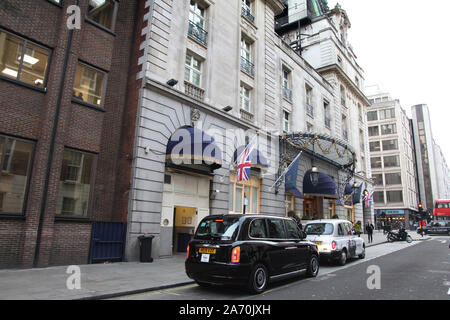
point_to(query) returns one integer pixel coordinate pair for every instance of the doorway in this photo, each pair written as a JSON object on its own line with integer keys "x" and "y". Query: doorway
{"x": 184, "y": 227}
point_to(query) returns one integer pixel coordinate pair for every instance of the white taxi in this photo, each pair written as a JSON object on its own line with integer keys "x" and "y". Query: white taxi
{"x": 335, "y": 240}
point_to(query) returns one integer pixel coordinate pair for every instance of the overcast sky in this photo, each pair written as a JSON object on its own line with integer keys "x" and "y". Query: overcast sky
{"x": 404, "y": 46}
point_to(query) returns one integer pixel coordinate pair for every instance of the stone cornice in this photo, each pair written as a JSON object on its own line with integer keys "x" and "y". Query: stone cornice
{"x": 276, "y": 6}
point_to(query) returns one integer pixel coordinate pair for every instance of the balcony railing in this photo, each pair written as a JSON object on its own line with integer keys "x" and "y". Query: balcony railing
{"x": 247, "y": 13}
{"x": 309, "y": 110}
{"x": 247, "y": 67}
{"x": 245, "y": 115}
{"x": 287, "y": 94}
{"x": 194, "y": 91}
{"x": 197, "y": 33}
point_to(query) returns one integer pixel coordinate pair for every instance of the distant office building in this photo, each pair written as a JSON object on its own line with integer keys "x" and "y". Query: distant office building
{"x": 426, "y": 164}
{"x": 392, "y": 159}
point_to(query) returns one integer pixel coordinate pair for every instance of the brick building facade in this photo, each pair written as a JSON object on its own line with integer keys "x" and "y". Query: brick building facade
{"x": 63, "y": 95}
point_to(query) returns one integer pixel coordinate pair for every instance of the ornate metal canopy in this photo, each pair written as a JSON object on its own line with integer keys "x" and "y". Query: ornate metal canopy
{"x": 320, "y": 146}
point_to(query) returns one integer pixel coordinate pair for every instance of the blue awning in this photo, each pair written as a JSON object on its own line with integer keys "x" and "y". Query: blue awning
{"x": 257, "y": 158}
{"x": 325, "y": 188}
{"x": 191, "y": 146}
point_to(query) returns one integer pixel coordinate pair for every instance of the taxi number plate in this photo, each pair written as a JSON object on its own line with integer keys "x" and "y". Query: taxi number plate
{"x": 205, "y": 257}
{"x": 207, "y": 250}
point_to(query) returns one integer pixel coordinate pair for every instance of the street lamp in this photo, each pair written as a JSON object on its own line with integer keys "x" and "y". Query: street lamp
{"x": 314, "y": 176}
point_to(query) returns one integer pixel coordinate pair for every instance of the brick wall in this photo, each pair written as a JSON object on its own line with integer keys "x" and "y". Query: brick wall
{"x": 30, "y": 113}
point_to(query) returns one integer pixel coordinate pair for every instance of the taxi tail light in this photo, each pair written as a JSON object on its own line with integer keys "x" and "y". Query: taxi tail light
{"x": 236, "y": 255}
{"x": 187, "y": 253}
{"x": 333, "y": 245}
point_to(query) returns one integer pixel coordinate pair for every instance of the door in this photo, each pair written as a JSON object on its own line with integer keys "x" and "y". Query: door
{"x": 298, "y": 250}
{"x": 278, "y": 252}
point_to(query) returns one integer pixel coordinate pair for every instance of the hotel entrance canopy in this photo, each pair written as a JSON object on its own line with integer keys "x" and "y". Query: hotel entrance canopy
{"x": 324, "y": 147}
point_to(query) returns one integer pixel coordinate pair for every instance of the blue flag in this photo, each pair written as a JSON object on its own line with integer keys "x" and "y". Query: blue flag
{"x": 291, "y": 178}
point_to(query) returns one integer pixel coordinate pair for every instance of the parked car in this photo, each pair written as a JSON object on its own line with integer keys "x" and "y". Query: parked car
{"x": 335, "y": 240}
{"x": 438, "y": 227}
{"x": 250, "y": 250}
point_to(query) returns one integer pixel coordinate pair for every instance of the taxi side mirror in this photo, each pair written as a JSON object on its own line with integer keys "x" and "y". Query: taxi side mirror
{"x": 303, "y": 235}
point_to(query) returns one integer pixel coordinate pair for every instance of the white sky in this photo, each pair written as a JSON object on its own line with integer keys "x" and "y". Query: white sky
{"x": 404, "y": 46}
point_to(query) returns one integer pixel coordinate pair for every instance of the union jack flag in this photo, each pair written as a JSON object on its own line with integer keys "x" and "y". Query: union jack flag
{"x": 369, "y": 200}
{"x": 245, "y": 163}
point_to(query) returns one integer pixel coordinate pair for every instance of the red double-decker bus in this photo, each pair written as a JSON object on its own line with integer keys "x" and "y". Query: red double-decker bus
{"x": 442, "y": 210}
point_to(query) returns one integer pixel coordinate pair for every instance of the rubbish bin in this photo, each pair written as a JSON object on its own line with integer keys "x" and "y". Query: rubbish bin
{"x": 145, "y": 244}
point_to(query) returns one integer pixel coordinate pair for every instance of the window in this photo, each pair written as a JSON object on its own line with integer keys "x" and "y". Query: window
{"x": 89, "y": 85}
{"x": 103, "y": 12}
{"x": 276, "y": 229}
{"x": 378, "y": 178}
{"x": 374, "y": 131}
{"x": 344, "y": 127}
{"x": 393, "y": 178}
{"x": 237, "y": 192}
{"x": 286, "y": 122}
{"x": 292, "y": 230}
{"x": 245, "y": 99}
{"x": 387, "y": 114}
{"x": 343, "y": 102}
{"x": 197, "y": 25}
{"x": 309, "y": 101}
{"x": 247, "y": 10}
{"x": 394, "y": 196}
{"x": 372, "y": 116}
{"x": 375, "y": 146}
{"x": 15, "y": 164}
{"x": 375, "y": 162}
{"x": 378, "y": 197}
{"x": 193, "y": 70}
{"x": 23, "y": 60}
{"x": 246, "y": 57}
{"x": 258, "y": 229}
{"x": 309, "y": 127}
{"x": 388, "y": 129}
{"x": 287, "y": 92}
{"x": 390, "y": 145}
{"x": 326, "y": 112}
{"x": 75, "y": 184}
{"x": 391, "y": 161}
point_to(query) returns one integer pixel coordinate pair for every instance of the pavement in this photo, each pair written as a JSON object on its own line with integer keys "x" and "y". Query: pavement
{"x": 102, "y": 281}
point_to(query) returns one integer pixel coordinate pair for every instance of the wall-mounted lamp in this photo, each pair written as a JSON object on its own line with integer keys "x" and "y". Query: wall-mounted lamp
{"x": 172, "y": 82}
{"x": 314, "y": 176}
{"x": 227, "y": 108}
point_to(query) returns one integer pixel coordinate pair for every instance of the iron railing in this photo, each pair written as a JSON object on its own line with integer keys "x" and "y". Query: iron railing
{"x": 247, "y": 67}
{"x": 197, "y": 33}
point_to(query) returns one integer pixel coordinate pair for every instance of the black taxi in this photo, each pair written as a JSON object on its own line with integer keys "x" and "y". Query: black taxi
{"x": 249, "y": 250}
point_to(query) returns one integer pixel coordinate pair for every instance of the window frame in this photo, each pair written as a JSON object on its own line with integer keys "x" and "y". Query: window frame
{"x": 92, "y": 176}
{"x": 17, "y": 80}
{"x": 28, "y": 180}
{"x": 75, "y": 99}
{"x": 193, "y": 70}
{"x": 114, "y": 19}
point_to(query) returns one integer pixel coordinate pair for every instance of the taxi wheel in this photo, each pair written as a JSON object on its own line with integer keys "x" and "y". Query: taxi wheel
{"x": 313, "y": 268}
{"x": 258, "y": 279}
{"x": 363, "y": 254}
{"x": 343, "y": 259}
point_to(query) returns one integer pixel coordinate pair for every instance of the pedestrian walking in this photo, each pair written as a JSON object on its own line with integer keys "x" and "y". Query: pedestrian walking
{"x": 369, "y": 229}
{"x": 358, "y": 228}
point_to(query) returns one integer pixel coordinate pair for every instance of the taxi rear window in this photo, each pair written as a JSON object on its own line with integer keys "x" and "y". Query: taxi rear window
{"x": 218, "y": 228}
{"x": 319, "y": 229}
